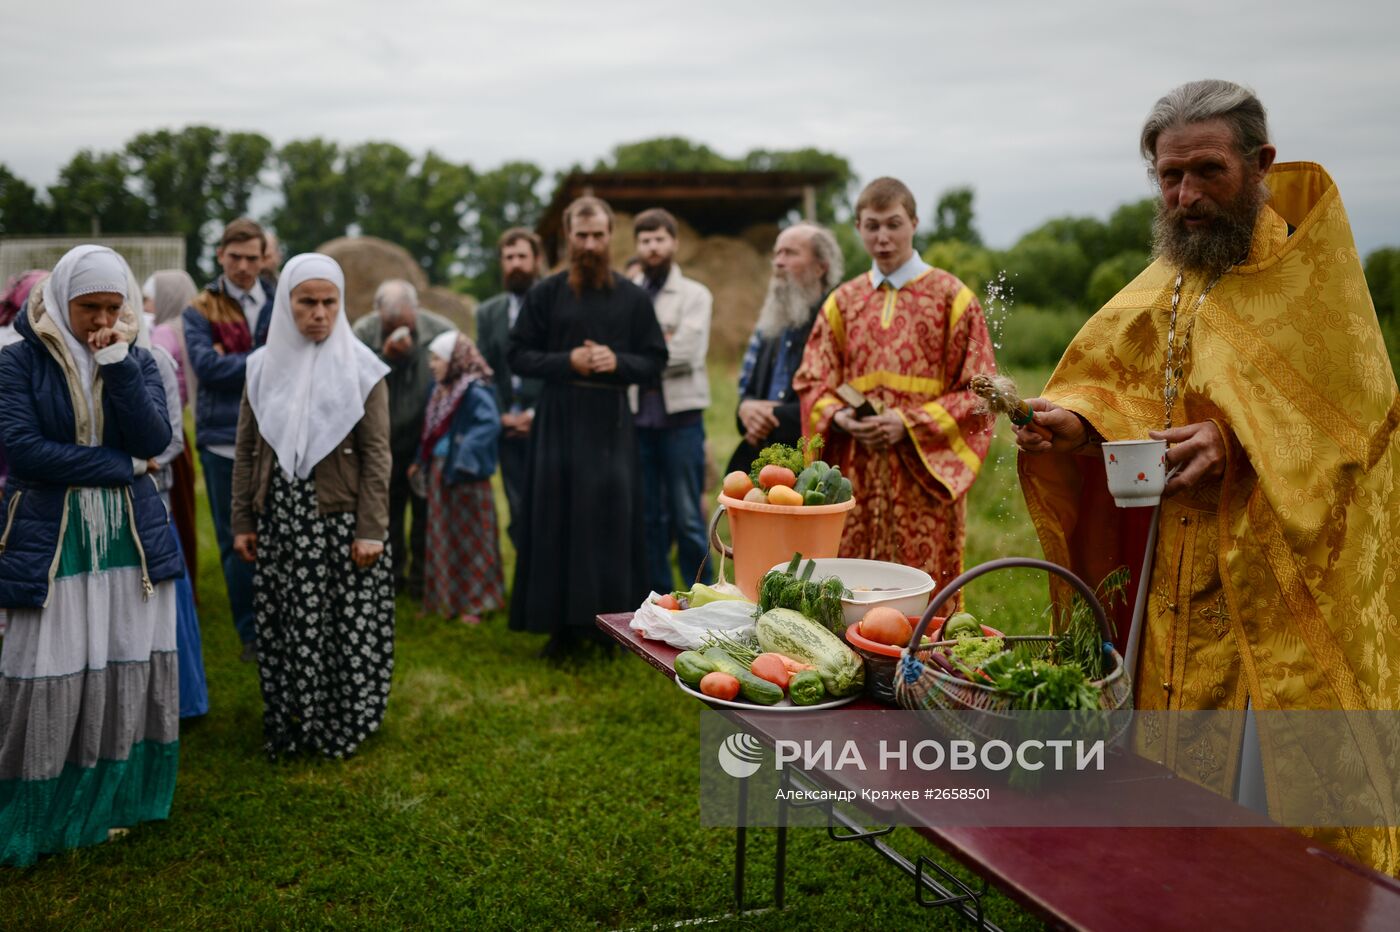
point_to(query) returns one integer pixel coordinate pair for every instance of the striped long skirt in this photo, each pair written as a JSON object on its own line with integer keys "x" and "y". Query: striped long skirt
{"x": 89, "y": 694}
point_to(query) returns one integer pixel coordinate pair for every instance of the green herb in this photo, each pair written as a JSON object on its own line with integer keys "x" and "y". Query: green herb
{"x": 819, "y": 601}
{"x": 743, "y": 650}
{"x": 1082, "y": 643}
{"x": 1043, "y": 686}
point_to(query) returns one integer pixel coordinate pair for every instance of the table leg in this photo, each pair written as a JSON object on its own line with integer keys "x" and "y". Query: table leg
{"x": 740, "y": 837}
{"x": 780, "y": 871}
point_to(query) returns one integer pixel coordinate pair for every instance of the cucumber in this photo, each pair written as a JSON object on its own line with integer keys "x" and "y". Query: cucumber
{"x": 691, "y": 667}
{"x": 751, "y": 687}
{"x": 784, "y": 631}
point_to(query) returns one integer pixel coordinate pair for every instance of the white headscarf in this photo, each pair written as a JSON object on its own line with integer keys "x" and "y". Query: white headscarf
{"x": 85, "y": 270}
{"x": 443, "y": 344}
{"x": 308, "y": 396}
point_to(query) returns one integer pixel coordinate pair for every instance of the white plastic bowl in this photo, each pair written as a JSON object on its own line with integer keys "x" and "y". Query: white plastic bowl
{"x": 903, "y": 588}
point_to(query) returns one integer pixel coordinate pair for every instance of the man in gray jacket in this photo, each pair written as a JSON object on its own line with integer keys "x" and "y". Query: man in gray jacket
{"x": 399, "y": 331}
{"x": 671, "y": 415}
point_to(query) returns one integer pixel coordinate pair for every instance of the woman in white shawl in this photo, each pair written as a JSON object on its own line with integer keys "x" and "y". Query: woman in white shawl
{"x": 89, "y": 735}
{"x": 311, "y": 508}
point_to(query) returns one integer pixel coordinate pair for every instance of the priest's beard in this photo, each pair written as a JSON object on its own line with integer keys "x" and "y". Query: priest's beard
{"x": 1215, "y": 248}
{"x": 788, "y": 304}
{"x": 589, "y": 271}
{"x": 518, "y": 281}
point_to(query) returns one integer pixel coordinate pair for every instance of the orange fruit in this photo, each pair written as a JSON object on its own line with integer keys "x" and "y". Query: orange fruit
{"x": 885, "y": 625}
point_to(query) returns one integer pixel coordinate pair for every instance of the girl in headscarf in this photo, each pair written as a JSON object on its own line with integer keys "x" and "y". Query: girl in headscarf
{"x": 88, "y": 671}
{"x": 311, "y": 508}
{"x": 167, "y": 294}
{"x": 194, "y": 693}
{"x": 458, "y": 453}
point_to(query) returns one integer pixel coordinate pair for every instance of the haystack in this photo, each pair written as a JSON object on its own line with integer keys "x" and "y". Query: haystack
{"x": 369, "y": 262}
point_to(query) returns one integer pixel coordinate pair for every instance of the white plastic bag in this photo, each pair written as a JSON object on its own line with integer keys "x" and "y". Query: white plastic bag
{"x": 687, "y": 629}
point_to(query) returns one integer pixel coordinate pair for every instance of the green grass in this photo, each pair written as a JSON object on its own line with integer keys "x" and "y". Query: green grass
{"x": 500, "y": 792}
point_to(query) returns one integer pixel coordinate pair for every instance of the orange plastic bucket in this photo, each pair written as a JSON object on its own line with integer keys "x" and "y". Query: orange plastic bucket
{"x": 765, "y": 535}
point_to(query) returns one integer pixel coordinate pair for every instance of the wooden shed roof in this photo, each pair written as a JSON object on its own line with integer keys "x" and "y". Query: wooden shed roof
{"x": 712, "y": 202}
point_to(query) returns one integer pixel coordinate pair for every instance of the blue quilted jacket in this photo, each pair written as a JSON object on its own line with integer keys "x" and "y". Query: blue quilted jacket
{"x": 38, "y": 430}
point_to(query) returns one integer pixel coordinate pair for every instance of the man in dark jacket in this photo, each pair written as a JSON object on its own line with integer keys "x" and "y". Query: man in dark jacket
{"x": 227, "y": 321}
{"x": 806, "y": 266}
{"x": 399, "y": 331}
{"x": 521, "y": 254}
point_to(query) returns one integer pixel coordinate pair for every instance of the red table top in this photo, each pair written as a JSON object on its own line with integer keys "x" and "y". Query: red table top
{"x": 1147, "y": 878}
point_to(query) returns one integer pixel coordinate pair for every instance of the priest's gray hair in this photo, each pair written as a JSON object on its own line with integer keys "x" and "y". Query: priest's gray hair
{"x": 395, "y": 297}
{"x": 1200, "y": 101}
{"x": 827, "y": 251}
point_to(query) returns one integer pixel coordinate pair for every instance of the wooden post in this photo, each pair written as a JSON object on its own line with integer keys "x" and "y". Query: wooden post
{"x": 809, "y": 203}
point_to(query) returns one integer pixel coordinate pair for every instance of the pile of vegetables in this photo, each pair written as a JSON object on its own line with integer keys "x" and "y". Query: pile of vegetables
{"x": 1058, "y": 677}
{"x": 784, "y": 475}
{"x": 819, "y": 601}
{"x": 698, "y": 595}
{"x": 793, "y": 656}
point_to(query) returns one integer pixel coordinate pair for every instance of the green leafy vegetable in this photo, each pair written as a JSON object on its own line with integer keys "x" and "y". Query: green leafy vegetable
{"x": 794, "y": 458}
{"x": 975, "y": 652}
{"x": 1043, "y": 686}
{"x": 819, "y": 601}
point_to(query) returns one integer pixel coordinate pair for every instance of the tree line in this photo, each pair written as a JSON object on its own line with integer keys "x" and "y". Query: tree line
{"x": 448, "y": 214}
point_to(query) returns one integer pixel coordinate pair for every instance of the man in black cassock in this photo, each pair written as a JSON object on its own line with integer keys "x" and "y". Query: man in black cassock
{"x": 588, "y": 333}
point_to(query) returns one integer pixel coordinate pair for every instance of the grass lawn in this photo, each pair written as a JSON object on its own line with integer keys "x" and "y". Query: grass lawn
{"x": 500, "y": 793}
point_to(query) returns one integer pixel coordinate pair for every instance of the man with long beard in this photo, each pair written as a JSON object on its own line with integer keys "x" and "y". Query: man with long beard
{"x": 587, "y": 333}
{"x": 806, "y": 266}
{"x": 521, "y": 253}
{"x": 1251, "y": 346}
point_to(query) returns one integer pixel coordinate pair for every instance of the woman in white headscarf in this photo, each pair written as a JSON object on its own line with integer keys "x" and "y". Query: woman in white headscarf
{"x": 457, "y": 452}
{"x": 88, "y": 670}
{"x": 194, "y": 691}
{"x": 167, "y": 293}
{"x": 311, "y": 508}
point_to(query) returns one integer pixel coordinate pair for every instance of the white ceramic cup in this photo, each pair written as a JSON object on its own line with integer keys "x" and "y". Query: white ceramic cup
{"x": 1137, "y": 471}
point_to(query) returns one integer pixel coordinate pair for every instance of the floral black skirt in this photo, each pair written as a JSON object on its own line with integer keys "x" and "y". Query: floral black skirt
{"x": 325, "y": 627}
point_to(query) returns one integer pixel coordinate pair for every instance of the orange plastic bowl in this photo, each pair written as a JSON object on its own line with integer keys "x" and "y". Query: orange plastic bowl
{"x": 881, "y": 660}
{"x": 854, "y": 638}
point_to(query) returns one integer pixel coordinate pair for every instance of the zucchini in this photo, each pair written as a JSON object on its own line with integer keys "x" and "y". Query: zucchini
{"x": 784, "y": 631}
{"x": 751, "y": 687}
{"x": 691, "y": 667}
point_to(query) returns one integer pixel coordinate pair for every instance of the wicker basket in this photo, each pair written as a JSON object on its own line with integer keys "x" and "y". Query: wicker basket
{"x": 920, "y": 685}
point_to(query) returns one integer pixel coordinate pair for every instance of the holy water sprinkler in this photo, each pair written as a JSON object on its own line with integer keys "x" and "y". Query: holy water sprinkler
{"x": 1001, "y": 397}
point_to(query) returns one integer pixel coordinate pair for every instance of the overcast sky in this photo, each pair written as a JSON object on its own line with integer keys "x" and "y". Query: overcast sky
{"x": 1035, "y": 104}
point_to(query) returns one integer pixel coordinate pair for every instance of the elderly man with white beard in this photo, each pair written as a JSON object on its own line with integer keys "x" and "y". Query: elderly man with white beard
{"x": 806, "y": 266}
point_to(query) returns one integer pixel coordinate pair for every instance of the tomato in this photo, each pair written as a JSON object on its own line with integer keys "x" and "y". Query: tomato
{"x": 775, "y": 475}
{"x": 719, "y": 685}
{"x": 756, "y": 495}
{"x": 737, "y": 484}
{"x": 885, "y": 625}
{"x": 669, "y": 602}
{"x": 770, "y": 667}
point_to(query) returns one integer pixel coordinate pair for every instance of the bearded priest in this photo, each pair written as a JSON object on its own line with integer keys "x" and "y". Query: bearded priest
{"x": 1251, "y": 346}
